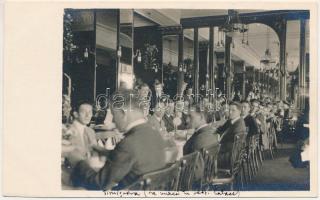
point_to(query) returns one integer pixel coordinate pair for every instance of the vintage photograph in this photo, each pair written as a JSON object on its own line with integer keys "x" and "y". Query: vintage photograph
{"x": 185, "y": 100}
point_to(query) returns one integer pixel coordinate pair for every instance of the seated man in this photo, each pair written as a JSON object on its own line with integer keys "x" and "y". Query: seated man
{"x": 157, "y": 123}
{"x": 202, "y": 137}
{"x": 155, "y": 120}
{"x": 139, "y": 152}
{"x": 80, "y": 136}
{"x": 204, "y": 133}
{"x": 169, "y": 116}
{"x": 249, "y": 120}
{"x": 235, "y": 125}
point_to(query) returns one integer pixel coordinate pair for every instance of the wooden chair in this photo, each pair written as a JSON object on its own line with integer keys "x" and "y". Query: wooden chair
{"x": 188, "y": 166}
{"x": 210, "y": 157}
{"x": 252, "y": 156}
{"x": 238, "y": 159}
{"x": 136, "y": 186}
{"x": 214, "y": 176}
{"x": 271, "y": 140}
{"x": 163, "y": 180}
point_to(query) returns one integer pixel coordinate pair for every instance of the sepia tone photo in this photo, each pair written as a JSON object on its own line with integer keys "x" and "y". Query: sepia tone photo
{"x": 185, "y": 100}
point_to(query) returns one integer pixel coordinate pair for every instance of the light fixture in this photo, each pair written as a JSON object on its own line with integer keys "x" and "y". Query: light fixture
{"x": 138, "y": 55}
{"x": 267, "y": 58}
{"x": 233, "y": 24}
{"x": 180, "y": 68}
{"x": 86, "y": 53}
{"x": 119, "y": 52}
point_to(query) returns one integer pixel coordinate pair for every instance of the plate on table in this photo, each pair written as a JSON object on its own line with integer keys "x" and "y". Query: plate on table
{"x": 103, "y": 127}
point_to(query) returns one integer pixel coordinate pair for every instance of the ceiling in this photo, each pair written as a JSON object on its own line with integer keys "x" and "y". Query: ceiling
{"x": 258, "y": 34}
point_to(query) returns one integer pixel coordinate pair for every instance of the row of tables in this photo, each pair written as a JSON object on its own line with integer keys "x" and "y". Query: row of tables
{"x": 111, "y": 137}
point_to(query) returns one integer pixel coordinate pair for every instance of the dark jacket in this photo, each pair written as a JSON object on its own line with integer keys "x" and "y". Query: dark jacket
{"x": 252, "y": 125}
{"x": 202, "y": 138}
{"x": 129, "y": 160}
{"x": 168, "y": 122}
{"x": 229, "y": 130}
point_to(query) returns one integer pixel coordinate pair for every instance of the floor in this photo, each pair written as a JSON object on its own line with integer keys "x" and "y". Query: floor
{"x": 279, "y": 175}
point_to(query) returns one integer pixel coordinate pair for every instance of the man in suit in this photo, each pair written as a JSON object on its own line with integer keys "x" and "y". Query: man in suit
{"x": 139, "y": 152}
{"x": 202, "y": 137}
{"x": 204, "y": 134}
{"x": 157, "y": 94}
{"x": 249, "y": 120}
{"x": 156, "y": 119}
{"x": 169, "y": 116}
{"x": 189, "y": 96}
{"x": 157, "y": 123}
{"x": 232, "y": 127}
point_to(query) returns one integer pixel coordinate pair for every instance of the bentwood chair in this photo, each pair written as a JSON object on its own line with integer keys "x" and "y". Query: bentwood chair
{"x": 210, "y": 157}
{"x": 217, "y": 177}
{"x": 163, "y": 180}
{"x": 271, "y": 140}
{"x": 136, "y": 186}
{"x": 187, "y": 173}
{"x": 238, "y": 159}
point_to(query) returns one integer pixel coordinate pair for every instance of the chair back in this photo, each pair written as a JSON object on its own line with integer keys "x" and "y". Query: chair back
{"x": 163, "y": 180}
{"x": 238, "y": 150}
{"x": 136, "y": 186}
{"x": 187, "y": 173}
{"x": 254, "y": 141}
{"x": 210, "y": 157}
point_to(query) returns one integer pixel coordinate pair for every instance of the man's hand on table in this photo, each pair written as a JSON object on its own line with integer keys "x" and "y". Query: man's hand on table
{"x": 109, "y": 134}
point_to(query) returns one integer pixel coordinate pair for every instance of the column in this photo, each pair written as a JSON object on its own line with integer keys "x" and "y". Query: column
{"x": 196, "y": 61}
{"x": 282, "y": 35}
{"x": 227, "y": 63}
{"x": 180, "y": 62}
{"x": 243, "y": 81}
{"x": 211, "y": 57}
{"x": 95, "y": 55}
{"x": 302, "y": 63}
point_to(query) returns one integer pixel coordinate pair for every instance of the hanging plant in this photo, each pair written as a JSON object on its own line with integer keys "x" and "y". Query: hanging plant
{"x": 71, "y": 52}
{"x": 149, "y": 57}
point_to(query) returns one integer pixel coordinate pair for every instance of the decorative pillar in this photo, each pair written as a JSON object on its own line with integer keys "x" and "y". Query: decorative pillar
{"x": 196, "y": 61}
{"x": 211, "y": 55}
{"x": 302, "y": 64}
{"x": 227, "y": 63}
{"x": 95, "y": 55}
{"x": 243, "y": 81}
{"x": 180, "y": 63}
{"x": 282, "y": 38}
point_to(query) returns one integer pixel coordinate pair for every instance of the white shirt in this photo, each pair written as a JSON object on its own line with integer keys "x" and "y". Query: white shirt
{"x": 80, "y": 127}
{"x": 134, "y": 124}
{"x": 244, "y": 116}
{"x": 234, "y": 120}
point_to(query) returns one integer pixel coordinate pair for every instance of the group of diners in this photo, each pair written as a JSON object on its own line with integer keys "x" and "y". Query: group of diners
{"x": 146, "y": 133}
